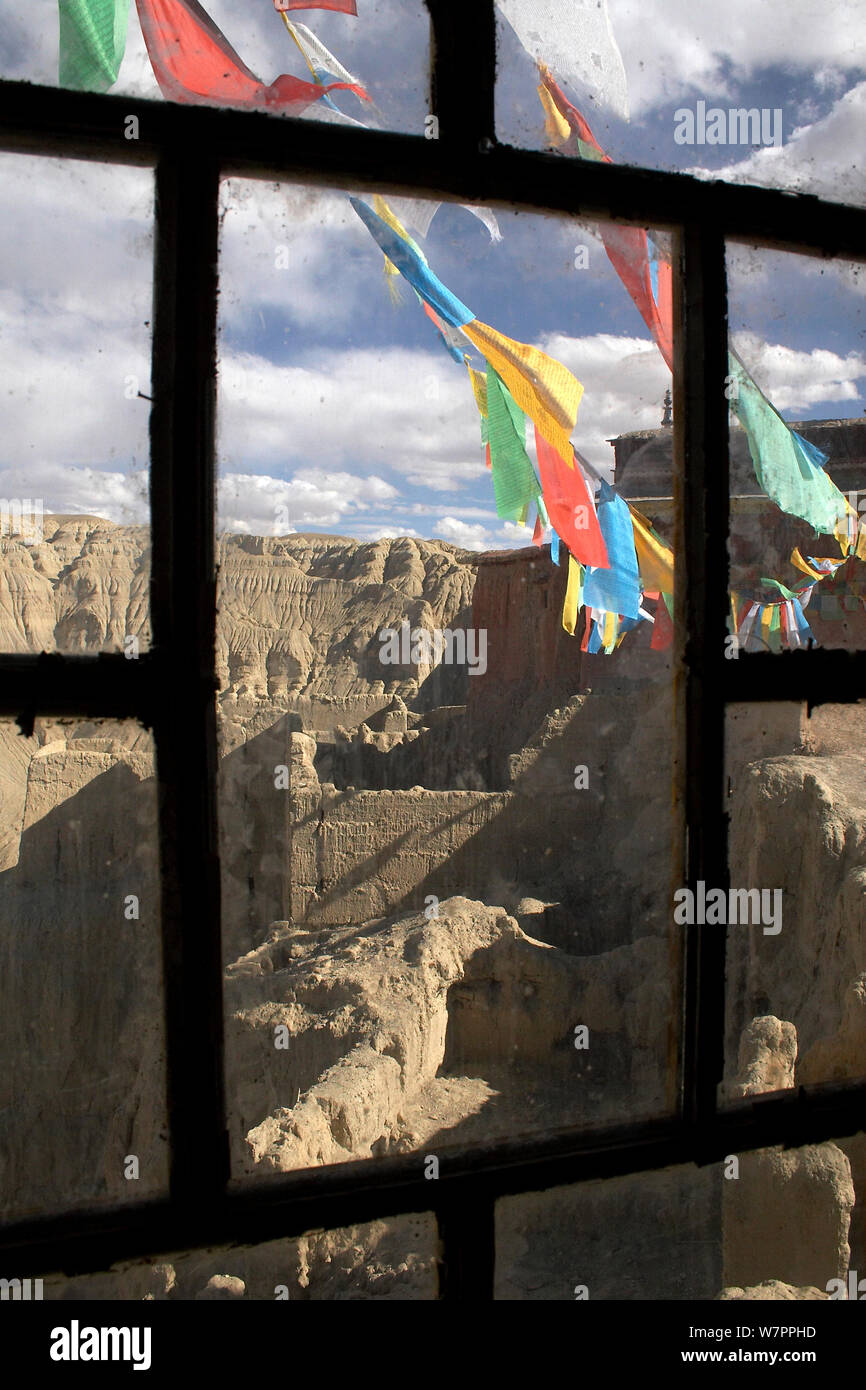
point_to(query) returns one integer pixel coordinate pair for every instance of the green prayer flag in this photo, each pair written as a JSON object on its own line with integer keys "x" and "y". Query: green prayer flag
{"x": 794, "y": 481}
{"x": 514, "y": 480}
{"x": 92, "y": 43}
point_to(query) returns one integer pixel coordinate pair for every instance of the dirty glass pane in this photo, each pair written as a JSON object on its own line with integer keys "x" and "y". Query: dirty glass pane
{"x": 82, "y": 1096}
{"x": 797, "y": 392}
{"x": 76, "y": 241}
{"x": 770, "y": 1225}
{"x": 796, "y": 975}
{"x": 446, "y": 872}
{"x": 768, "y": 93}
{"x": 391, "y": 1260}
{"x": 319, "y": 62}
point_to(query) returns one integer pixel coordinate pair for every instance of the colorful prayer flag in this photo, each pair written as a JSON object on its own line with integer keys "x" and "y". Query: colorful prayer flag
{"x": 616, "y": 589}
{"x": 92, "y": 43}
{"x": 570, "y": 505}
{"x": 414, "y": 268}
{"x": 785, "y": 471}
{"x": 193, "y": 62}
{"x": 544, "y": 389}
{"x": 577, "y": 41}
{"x": 514, "y": 482}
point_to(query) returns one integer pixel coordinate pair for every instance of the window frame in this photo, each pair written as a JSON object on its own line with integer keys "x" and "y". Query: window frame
{"x": 171, "y": 688}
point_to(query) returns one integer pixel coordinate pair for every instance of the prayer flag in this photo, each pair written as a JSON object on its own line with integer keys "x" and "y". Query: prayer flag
{"x": 544, "y": 389}
{"x": 573, "y": 595}
{"x": 646, "y": 277}
{"x": 514, "y": 482}
{"x": 785, "y": 471}
{"x": 577, "y": 41}
{"x": 616, "y": 589}
{"x": 341, "y": 6}
{"x": 655, "y": 560}
{"x": 92, "y": 43}
{"x": 194, "y": 62}
{"x": 570, "y": 505}
{"x": 414, "y": 268}
{"x": 321, "y": 61}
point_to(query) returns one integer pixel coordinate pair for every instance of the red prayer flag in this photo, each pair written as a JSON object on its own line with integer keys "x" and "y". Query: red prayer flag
{"x": 663, "y": 628}
{"x": 193, "y": 61}
{"x": 538, "y": 533}
{"x": 626, "y": 247}
{"x": 341, "y": 6}
{"x": 569, "y": 506}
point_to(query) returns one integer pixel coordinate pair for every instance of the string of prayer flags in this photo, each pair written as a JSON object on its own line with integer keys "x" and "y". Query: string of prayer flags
{"x": 194, "y": 62}
{"x": 92, "y": 43}
{"x": 515, "y": 484}
{"x": 785, "y": 470}
{"x": 576, "y": 40}
{"x": 570, "y": 505}
{"x": 816, "y": 569}
{"x": 655, "y": 559}
{"x": 413, "y": 267}
{"x": 544, "y": 389}
{"x": 617, "y": 588}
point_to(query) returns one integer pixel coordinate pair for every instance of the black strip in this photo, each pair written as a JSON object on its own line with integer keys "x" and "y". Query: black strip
{"x": 462, "y": 92}
{"x": 77, "y": 124}
{"x": 183, "y": 615}
{"x": 701, "y": 589}
{"x": 467, "y": 1235}
{"x": 105, "y": 686}
{"x": 827, "y": 675}
{"x": 352, "y": 1193}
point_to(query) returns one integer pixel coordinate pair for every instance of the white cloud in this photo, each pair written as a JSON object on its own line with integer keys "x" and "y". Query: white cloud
{"x": 679, "y": 48}
{"x": 258, "y": 504}
{"x": 405, "y": 411}
{"x": 796, "y": 380}
{"x": 823, "y": 158}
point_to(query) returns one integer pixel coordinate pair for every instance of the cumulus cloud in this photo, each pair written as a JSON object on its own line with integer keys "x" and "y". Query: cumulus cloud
{"x": 823, "y": 158}
{"x": 684, "y": 47}
{"x": 797, "y": 381}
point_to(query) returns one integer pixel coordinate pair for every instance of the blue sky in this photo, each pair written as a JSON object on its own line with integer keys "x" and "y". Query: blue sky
{"x": 340, "y": 406}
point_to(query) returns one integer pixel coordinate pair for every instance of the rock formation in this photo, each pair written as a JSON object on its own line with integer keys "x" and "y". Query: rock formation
{"x": 446, "y": 920}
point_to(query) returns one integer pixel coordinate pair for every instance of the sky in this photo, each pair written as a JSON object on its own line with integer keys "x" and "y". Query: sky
{"x": 339, "y": 409}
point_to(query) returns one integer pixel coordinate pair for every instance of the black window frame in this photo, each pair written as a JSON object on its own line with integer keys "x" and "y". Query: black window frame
{"x": 172, "y": 687}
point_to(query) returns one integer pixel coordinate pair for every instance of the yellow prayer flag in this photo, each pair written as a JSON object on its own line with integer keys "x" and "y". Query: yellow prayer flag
{"x": 556, "y": 127}
{"x": 572, "y": 595}
{"x": 654, "y": 560}
{"x": 544, "y": 389}
{"x": 479, "y": 387}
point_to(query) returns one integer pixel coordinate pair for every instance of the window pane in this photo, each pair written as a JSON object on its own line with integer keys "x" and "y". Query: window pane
{"x": 446, "y": 892}
{"x": 381, "y": 1260}
{"x": 321, "y": 63}
{"x": 82, "y": 1114}
{"x": 797, "y": 390}
{"x": 796, "y": 988}
{"x": 773, "y": 1224}
{"x": 76, "y": 240}
{"x": 768, "y": 94}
